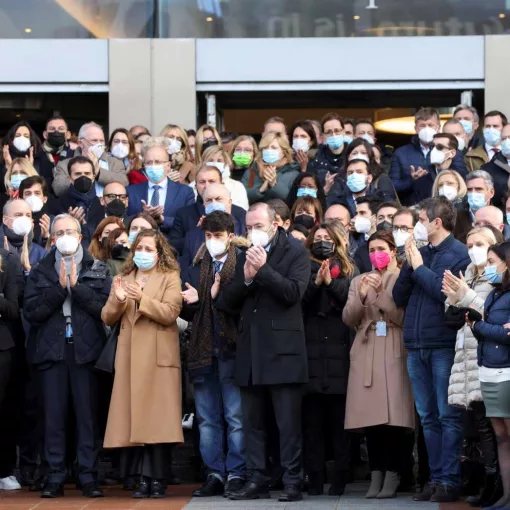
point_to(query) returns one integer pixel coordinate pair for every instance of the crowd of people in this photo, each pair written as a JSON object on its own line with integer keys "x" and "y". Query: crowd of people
{"x": 320, "y": 293}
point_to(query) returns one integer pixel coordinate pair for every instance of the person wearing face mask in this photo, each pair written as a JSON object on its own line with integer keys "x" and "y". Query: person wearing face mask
{"x": 384, "y": 216}
{"x": 431, "y": 344}
{"x": 328, "y": 342}
{"x": 212, "y": 353}
{"x": 304, "y": 143}
{"x": 115, "y": 202}
{"x": 455, "y": 127}
{"x": 270, "y": 281}
{"x": 183, "y": 168}
{"x": 348, "y": 130}
{"x": 365, "y": 130}
{"x": 145, "y": 414}
{"x": 140, "y": 222}
{"x": 412, "y": 162}
{"x": 306, "y": 211}
{"x": 493, "y": 359}
{"x": 365, "y": 226}
{"x": 451, "y": 185}
{"x": 471, "y": 291}
{"x": 121, "y": 145}
{"x": 160, "y": 196}
{"x": 34, "y": 191}
{"x": 117, "y": 250}
{"x": 243, "y": 154}
{"x": 64, "y": 296}
{"x": 404, "y": 221}
{"x": 470, "y": 120}
{"x": 306, "y": 185}
{"x": 99, "y": 242}
{"x": 206, "y": 136}
{"x": 91, "y": 144}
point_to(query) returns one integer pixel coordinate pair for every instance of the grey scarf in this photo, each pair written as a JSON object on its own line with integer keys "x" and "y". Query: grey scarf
{"x": 67, "y": 306}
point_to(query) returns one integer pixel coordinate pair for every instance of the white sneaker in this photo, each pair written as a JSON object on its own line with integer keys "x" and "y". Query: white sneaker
{"x": 9, "y": 484}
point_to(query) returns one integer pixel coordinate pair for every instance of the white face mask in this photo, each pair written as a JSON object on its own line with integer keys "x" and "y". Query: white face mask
{"x": 478, "y": 255}
{"x": 215, "y": 247}
{"x": 299, "y": 144}
{"x": 259, "y": 238}
{"x": 400, "y": 237}
{"x": 222, "y": 167}
{"x": 437, "y": 157}
{"x": 462, "y": 143}
{"x": 448, "y": 192}
{"x": 359, "y": 155}
{"x": 21, "y": 143}
{"x": 426, "y": 135}
{"x": 67, "y": 245}
{"x": 22, "y": 225}
{"x": 174, "y": 145}
{"x": 120, "y": 151}
{"x": 35, "y": 203}
{"x": 362, "y": 224}
{"x": 368, "y": 138}
{"x": 420, "y": 232}
{"x": 97, "y": 150}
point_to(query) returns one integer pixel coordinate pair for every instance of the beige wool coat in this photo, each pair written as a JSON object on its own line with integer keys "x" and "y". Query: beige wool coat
{"x": 145, "y": 407}
{"x": 379, "y": 390}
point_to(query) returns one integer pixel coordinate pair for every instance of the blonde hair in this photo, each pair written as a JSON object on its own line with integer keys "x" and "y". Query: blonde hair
{"x": 25, "y": 166}
{"x": 199, "y": 140}
{"x": 212, "y": 152}
{"x": 283, "y": 142}
{"x": 462, "y": 188}
{"x": 245, "y": 138}
{"x": 154, "y": 141}
{"x": 179, "y": 158}
{"x": 485, "y": 232}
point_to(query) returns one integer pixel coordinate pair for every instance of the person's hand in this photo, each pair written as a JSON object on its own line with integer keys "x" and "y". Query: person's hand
{"x": 190, "y": 295}
{"x": 44, "y": 224}
{"x": 215, "y": 289}
{"x": 454, "y": 288}
{"x": 6, "y": 243}
{"x": 269, "y": 175}
{"x": 249, "y": 272}
{"x": 25, "y": 255}
{"x": 159, "y": 214}
{"x": 326, "y": 273}
{"x": 374, "y": 280}
{"x": 318, "y": 279}
{"x": 78, "y": 213}
{"x": 363, "y": 287}
{"x": 174, "y": 175}
{"x": 416, "y": 258}
{"x": 120, "y": 293}
{"x": 134, "y": 292}
{"x": 417, "y": 174}
{"x": 202, "y": 218}
{"x": 469, "y": 322}
{"x": 7, "y": 155}
{"x": 507, "y": 326}
{"x": 62, "y": 276}
{"x": 94, "y": 160}
{"x": 73, "y": 277}
{"x": 256, "y": 256}
{"x": 30, "y": 155}
{"x": 302, "y": 159}
{"x": 330, "y": 180}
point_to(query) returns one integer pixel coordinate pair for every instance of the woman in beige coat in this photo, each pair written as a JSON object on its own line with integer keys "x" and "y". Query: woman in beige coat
{"x": 379, "y": 397}
{"x": 145, "y": 408}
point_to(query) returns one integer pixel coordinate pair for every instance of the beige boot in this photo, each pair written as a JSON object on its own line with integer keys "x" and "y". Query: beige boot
{"x": 391, "y": 483}
{"x": 375, "y": 485}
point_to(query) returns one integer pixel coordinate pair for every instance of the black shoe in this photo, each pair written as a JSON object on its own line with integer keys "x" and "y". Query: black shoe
{"x": 158, "y": 488}
{"x": 109, "y": 480}
{"x": 144, "y": 488}
{"x": 211, "y": 487}
{"x": 26, "y": 476}
{"x": 233, "y": 485}
{"x": 445, "y": 494}
{"x": 129, "y": 483}
{"x": 291, "y": 493}
{"x": 173, "y": 480}
{"x": 337, "y": 487}
{"x": 38, "y": 484}
{"x": 251, "y": 490}
{"x": 428, "y": 491}
{"x": 53, "y": 490}
{"x": 315, "y": 484}
{"x": 493, "y": 490}
{"x": 92, "y": 490}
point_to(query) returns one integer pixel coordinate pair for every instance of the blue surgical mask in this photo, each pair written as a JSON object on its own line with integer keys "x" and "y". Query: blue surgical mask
{"x": 492, "y": 136}
{"x": 144, "y": 261}
{"x": 306, "y": 192}
{"x": 132, "y": 237}
{"x": 16, "y": 180}
{"x": 155, "y": 173}
{"x": 492, "y": 275}
{"x": 348, "y": 139}
{"x": 336, "y": 141}
{"x": 505, "y": 147}
{"x": 215, "y": 206}
{"x": 357, "y": 182}
{"x": 467, "y": 125}
{"x": 476, "y": 201}
{"x": 271, "y": 156}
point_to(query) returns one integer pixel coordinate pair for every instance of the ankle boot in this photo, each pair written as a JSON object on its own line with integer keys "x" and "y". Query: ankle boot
{"x": 391, "y": 483}
{"x": 375, "y": 485}
{"x": 492, "y": 491}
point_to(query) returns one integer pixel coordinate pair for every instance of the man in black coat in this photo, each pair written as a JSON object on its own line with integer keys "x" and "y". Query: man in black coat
{"x": 270, "y": 281}
{"x": 64, "y": 296}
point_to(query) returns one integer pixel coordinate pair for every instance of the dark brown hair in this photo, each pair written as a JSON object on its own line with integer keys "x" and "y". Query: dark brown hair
{"x": 96, "y": 249}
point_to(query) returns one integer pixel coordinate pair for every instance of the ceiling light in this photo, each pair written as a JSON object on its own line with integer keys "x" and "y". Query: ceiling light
{"x": 209, "y": 19}
{"x": 28, "y": 30}
{"x": 501, "y": 16}
{"x": 356, "y": 17}
{"x": 402, "y": 125}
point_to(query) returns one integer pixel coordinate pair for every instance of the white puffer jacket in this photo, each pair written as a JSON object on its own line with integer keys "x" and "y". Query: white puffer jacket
{"x": 464, "y": 387}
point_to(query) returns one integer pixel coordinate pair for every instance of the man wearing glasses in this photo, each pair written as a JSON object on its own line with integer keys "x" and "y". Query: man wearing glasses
{"x": 115, "y": 201}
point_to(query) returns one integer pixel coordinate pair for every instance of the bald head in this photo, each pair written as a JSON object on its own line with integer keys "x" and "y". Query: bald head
{"x": 338, "y": 212}
{"x": 489, "y": 215}
{"x": 215, "y": 192}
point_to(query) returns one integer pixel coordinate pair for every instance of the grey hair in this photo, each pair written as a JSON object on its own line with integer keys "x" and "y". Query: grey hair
{"x": 481, "y": 174}
{"x": 65, "y": 216}
{"x": 454, "y": 121}
{"x": 155, "y": 141}
{"x": 263, "y": 205}
{"x": 83, "y": 130}
{"x": 8, "y": 204}
{"x": 469, "y": 109}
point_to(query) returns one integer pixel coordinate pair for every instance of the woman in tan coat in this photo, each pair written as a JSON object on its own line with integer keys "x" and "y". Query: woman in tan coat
{"x": 379, "y": 397}
{"x": 145, "y": 408}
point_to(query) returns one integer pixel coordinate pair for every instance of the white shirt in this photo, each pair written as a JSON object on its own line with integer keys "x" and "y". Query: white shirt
{"x": 425, "y": 150}
{"x": 162, "y": 192}
{"x": 237, "y": 192}
{"x": 490, "y": 150}
{"x": 493, "y": 375}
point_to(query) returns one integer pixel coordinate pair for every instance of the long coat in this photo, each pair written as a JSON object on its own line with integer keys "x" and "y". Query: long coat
{"x": 379, "y": 390}
{"x": 145, "y": 407}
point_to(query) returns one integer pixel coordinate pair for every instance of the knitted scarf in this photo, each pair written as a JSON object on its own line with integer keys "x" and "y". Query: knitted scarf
{"x": 202, "y": 330}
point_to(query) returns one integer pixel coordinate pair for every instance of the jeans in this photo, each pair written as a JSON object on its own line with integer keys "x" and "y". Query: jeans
{"x": 218, "y": 404}
{"x": 429, "y": 371}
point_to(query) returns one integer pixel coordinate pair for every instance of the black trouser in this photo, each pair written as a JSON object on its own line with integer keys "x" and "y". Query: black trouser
{"x": 286, "y": 400}
{"x": 6, "y": 360}
{"x": 384, "y": 446}
{"x": 57, "y": 382}
{"x": 150, "y": 460}
{"x": 323, "y": 423}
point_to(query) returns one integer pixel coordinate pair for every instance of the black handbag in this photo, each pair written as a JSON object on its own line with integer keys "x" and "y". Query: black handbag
{"x": 106, "y": 361}
{"x": 455, "y": 317}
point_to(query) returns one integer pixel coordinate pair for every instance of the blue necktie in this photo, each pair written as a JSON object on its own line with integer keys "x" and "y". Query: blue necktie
{"x": 155, "y": 196}
{"x": 217, "y": 267}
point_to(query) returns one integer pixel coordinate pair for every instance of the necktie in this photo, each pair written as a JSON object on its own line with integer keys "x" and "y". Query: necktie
{"x": 217, "y": 267}
{"x": 155, "y": 196}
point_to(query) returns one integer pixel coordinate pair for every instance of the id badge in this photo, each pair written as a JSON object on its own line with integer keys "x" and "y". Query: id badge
{"x": 380, "y": 328}
{"x": 103, "y": 165}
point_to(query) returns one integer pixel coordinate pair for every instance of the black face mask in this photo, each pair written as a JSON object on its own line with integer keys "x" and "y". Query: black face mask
{"x": 115, "y": 208}
{"x": 209, "y": 143}
{"x": 56, "y": 139}
{"x": 120, "y": 252}
{"x": 306, "y": 220}
{"x": 83, "y": 184}
{"x": 322, "y": 250}
{"x": 385, "y": 225}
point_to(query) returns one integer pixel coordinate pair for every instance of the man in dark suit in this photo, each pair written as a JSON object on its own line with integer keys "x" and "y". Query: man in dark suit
{"x": 188, "y": 218}
{"x": 270, "y": 281}
{"x": 216, "y": 198}
{"x": 115, "y": 202}
{"x": 159, "y": 197}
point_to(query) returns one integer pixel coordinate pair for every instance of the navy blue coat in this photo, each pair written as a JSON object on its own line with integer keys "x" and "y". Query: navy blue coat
{"x": 419, "y": 292}
{"x": 325, "y": 161}
{"x": 493, "y": 339}
{"x": 362, "y": 258}
{"x": 44, "y": 297}
{"x": 413, "y": 191}
{"x": 177, "y": 196}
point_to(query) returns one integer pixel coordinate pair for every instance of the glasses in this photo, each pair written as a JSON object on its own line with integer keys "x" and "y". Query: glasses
{"x": 210, "y": 139}
{"x": 401, "y": 229}
{"x": 113, "y": 196}
{"x": 334, "y": 132}
{"x": 439, "y": 146}
{"x": 117, "y": 141}
{"x": 240, "y": 150}
{"x": 68, "y": 232}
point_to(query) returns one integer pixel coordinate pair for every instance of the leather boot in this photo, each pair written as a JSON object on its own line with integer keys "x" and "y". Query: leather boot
{"x": 375, "y": 485}
{"x": 391, "y": 483}
{"x": 493, "y": 490}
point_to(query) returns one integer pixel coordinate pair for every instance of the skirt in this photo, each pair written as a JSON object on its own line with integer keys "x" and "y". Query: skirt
{"x": 496, "y": 397}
